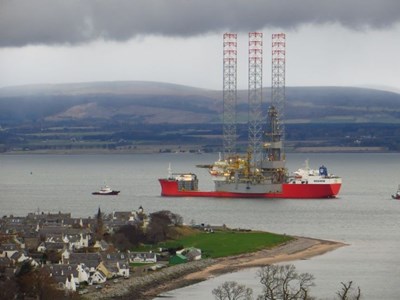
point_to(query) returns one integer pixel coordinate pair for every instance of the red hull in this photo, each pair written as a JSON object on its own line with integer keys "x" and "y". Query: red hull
{"x": 289, "y": 191}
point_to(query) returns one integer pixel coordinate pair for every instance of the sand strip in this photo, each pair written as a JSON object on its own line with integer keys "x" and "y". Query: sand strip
{"x": 299, "y": 248}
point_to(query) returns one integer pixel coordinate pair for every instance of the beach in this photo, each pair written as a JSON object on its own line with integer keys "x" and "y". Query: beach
{"x": 183, "y": 275}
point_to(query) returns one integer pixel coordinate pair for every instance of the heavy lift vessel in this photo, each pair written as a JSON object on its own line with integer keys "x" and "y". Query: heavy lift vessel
{"x": 237, "y": 177}
{"x": 262, "y": 172}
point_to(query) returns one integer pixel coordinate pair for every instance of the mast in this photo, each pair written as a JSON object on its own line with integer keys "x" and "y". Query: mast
{"x": 229, "y": 94}
{"x": 255, "y": 96}
{"x": 278, "y": 80}
{"x": 273, "y": 164}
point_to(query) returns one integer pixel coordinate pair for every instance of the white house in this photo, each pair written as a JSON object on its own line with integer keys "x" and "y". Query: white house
{"x": 83, "y": 273}
{"x": 97, "y": 277}
{"x": 142, "y": 257}
{"x": 70, "y": 284}
{"x": 77, "y": 241}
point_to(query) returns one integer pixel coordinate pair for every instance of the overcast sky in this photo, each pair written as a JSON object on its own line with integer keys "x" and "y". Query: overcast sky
{"x": 329, "y": 42}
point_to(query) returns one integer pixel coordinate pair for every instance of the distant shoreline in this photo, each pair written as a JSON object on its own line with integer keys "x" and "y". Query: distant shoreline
{"x": 298, "y": 248}
{"x": 156, "y": 150}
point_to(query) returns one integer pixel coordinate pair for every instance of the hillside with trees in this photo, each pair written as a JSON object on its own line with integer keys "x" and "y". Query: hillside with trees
{"x": 127, "y": 115}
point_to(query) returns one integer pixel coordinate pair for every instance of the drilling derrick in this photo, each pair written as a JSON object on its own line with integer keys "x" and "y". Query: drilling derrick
{"x": 263, "y": 169}
{"x": 255, "y": 96}
{"x": 278, "y": 82}
{"x": 273, "y": 165}
{"x": 229, "y": 94}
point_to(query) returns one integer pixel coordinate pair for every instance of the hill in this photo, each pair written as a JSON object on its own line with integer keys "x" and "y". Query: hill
{"x": 154, "y": 103}
{"x": 104, "y": 114}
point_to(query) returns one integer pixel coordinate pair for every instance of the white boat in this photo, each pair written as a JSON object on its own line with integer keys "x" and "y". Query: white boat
{"x": 397, "y": 195}
{"x": 106, "y": 191}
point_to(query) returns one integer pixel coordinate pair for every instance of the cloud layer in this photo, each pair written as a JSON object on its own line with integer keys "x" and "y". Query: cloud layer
{"x": 52, "y": 22}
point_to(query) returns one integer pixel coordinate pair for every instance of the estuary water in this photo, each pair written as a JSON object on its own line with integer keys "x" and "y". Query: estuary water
{"x": 363, "y": 216}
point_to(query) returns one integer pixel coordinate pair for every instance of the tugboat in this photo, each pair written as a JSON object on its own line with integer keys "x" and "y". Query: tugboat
{"x": 106, "y": 191}
{"x": 397, "y": 195}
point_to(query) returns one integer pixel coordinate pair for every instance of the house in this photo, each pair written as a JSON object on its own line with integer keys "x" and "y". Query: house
{"x": 90, "y": 260}
{"x": 31, "y": 241}
{"x": 101, "y": 245}
{"x": 142, "y": 257}
{"x": 83, "y": 273}
{"x": 192, "y": 253}
{"x": 104, "y": 271}
{"x": 7, "y": 250}
{"x": 80, "y": 273}
{"x": 129, "y": 217}
{"x": 66, "y": 276}
{"x": 54, "y": 238}
{"x": 70, "y": 284}
{"x": 51, "y": 246}
{"x": 20, "y": 256}
{"x": 124, "y": 216}
{"x": 116, "y": 263}
{"x": 177, "y": 259}
{"x": 49, "y": 218}
{"x": 77, "y": 241}
{"x": 51, "y": 233}
{"x": 7, "y": 268}
{"x": 97, "y": 277}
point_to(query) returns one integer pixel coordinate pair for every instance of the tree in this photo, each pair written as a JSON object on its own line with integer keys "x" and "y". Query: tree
{"x": 348, "y": 292}
{"x": 283, "y": 282}
{"x": 128, "y": 236}
{"x": 99, "y": 230}
{"x": 37, "y": 283}
{"x": 159, "y": 225}
{"x": 8, "y": 289}
{"x": 231, "y": 290}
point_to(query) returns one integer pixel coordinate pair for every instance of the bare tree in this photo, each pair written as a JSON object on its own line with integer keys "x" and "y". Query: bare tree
{"x": 284, "y": 283}
{"x": 348, "y": 292}
{"x": 231, "y": 290}
{"x": 281, "y": 282}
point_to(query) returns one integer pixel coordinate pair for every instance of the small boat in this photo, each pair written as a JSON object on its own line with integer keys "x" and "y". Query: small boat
{"x": 106, "y": 191}
{"x": 397, "y": 195}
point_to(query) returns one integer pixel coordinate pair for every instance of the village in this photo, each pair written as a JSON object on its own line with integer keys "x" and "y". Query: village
{"x": 83, "y": 254}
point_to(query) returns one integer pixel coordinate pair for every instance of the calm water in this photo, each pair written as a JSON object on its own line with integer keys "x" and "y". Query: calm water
{"x": 363, "y": 216}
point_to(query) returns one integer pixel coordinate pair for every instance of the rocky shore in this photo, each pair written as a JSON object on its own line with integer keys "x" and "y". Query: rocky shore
{"x": 150, "y": 285}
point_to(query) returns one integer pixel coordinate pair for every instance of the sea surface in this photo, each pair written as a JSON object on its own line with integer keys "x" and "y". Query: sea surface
{"x": 363, "y": 216}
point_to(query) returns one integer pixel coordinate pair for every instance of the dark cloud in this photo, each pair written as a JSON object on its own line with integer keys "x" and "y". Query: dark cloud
{"x": 24, "y": 22}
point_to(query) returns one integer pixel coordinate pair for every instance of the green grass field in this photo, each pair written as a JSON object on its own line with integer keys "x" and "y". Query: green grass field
{"x": 227, "y": 243}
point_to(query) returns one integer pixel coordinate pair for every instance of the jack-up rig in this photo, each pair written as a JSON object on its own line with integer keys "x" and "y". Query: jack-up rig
{"x": 261, "y": 173}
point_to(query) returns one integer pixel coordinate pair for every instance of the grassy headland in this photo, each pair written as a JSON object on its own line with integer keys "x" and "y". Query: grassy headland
{"x": 221, "y": 243}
